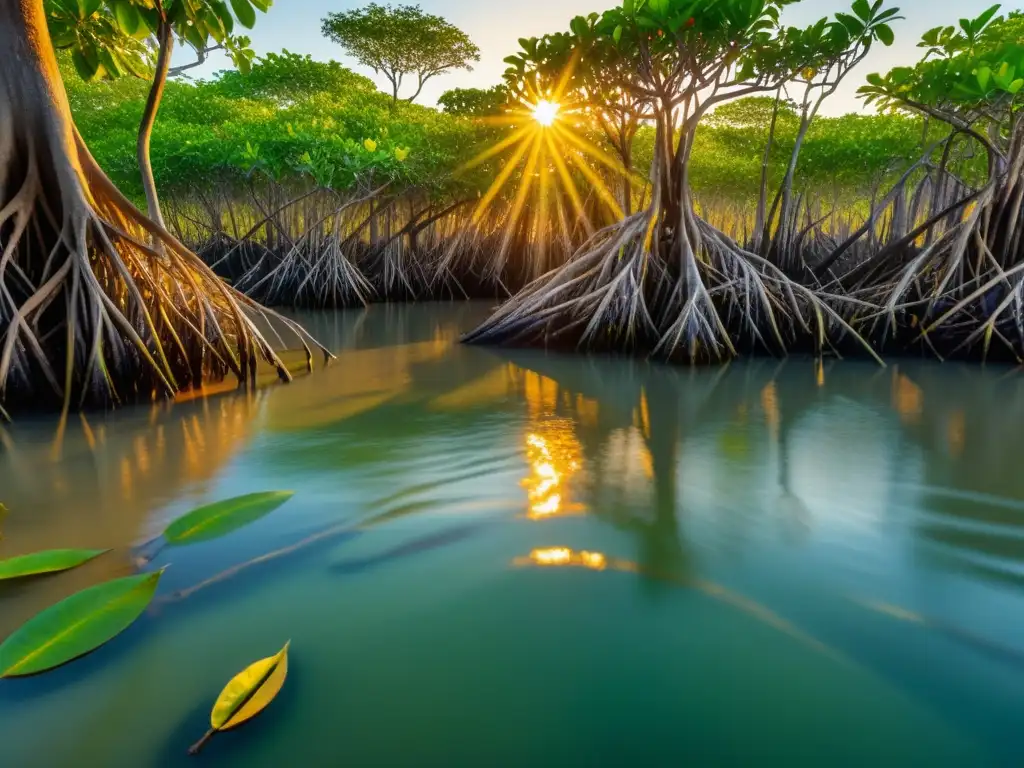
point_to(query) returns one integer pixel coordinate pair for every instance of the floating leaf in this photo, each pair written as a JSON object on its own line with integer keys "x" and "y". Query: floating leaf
{"x": 223, "y": 517}
{"x": 77, "y": 625}
{"x": 247, "y": 695}
{"x": 50, "y": 561}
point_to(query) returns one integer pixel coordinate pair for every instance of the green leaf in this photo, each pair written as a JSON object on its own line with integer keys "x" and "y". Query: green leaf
{"x": 986, "y": 17}
{"x": 884, "y": 33}
{"x": 983, "y": 74}
{"x": 226, "y": 19}
{"x": 617, "y": 34}
{"x": 77, "y": 625}
{"x": 1015, "y": 86}
{"x": 50, "y": 561}
{"x": 86, "y": 68}
{"x": 262, "y": 5}
{"x": 852, "y": 24}
{"x": 87, "y": 8}
{"x": 128, "y": 17}
{"x": 862, "y": 9}
{"x": 245, "y": 13}
{"x": 215, "y": 520}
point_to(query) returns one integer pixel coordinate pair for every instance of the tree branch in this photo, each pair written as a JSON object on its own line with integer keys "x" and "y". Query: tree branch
{"x": 200, "y": 60}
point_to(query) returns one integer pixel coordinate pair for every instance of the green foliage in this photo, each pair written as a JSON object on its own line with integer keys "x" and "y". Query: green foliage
{"x": 969, "y": 74}
{"x": 401, "y": 40}
{"x": 475, "y": 102}
{"x": 114, "y": 38}
{"x": 236, "y": 126}
{"x": 289, "y": 77}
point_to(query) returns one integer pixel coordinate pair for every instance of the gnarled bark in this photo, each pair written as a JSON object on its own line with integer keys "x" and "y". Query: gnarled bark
{"x": 98, "y": 303}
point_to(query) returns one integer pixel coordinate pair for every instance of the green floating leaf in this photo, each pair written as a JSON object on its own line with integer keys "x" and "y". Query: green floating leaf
{"x": 223, "y": 517}
{"x": 50, "y": 561}
{"x": 77, "y": 625}
{"x": 248, "y": 694}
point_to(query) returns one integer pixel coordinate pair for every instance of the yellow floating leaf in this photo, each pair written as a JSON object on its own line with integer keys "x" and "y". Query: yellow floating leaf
{"x": 248, "y": 694}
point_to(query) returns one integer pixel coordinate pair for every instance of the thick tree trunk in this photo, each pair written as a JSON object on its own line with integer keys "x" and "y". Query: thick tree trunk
{"x": 89, "y": 309}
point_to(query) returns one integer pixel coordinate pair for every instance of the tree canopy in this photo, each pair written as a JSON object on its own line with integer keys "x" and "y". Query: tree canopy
{"x": 113, "y": 38}
{"x": 399, "y": 41}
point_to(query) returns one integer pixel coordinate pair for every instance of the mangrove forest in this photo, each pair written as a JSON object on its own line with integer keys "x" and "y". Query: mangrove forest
{"x": 656, "y": 179}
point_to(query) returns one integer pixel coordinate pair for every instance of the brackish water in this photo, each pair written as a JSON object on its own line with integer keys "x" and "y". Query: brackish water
{"x": 510, "y": 558}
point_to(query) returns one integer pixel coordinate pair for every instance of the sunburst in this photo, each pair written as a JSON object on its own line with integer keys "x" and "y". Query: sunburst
{"x": 547, "y": 143}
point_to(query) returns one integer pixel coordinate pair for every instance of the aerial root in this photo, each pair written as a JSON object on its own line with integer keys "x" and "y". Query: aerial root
{"x": 615, "y": 293}
{"x": 114, "y": 302}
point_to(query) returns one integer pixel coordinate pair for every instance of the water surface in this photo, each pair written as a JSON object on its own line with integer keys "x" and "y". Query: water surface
{"x": 511, "y": 558}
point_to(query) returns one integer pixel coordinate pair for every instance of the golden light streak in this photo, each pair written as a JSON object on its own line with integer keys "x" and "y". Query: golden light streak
{"x": 602, "y": 191}
{"x": 552, "y": 460}
{"x": 568, "y": 184}
{"x": 518, "y": 135}
{"x": 589, "y": 149}
{"x": 545, "y": 113}
{"x": 522, "y": 193}
{"x": 562, "y": 557}
{"x": 499, "y": 182}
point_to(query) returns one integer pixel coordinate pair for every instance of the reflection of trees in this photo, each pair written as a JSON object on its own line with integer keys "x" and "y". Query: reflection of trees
{"x": 102, "y": 486}
{"x": 967, "y": 427}
{"x": 626, "y": 440}
{"x": 642, "y": 424}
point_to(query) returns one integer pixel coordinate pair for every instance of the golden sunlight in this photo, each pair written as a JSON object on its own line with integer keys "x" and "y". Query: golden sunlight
{"x": 546, "y": 145}
{"x": 552, "y": 460}
{"x": 545, "y": 112}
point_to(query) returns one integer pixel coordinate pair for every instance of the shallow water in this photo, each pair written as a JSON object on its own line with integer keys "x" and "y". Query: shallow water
{"x": 512, "y": 558}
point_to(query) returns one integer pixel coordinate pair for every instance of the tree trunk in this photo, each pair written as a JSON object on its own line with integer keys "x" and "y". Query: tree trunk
{"x": 156, "y": 92}
{"x": 88, "y": 309}
{"x": 760, "y": 224}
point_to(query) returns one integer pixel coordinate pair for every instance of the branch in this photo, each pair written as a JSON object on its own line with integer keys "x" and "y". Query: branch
{"x": 201, "y": 55}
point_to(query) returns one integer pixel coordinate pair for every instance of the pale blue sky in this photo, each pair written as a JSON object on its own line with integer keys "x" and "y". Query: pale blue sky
{"x": 496, "y": 25}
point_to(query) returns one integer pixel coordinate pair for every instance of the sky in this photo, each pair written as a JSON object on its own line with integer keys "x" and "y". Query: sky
{"x": 496, "y": 25}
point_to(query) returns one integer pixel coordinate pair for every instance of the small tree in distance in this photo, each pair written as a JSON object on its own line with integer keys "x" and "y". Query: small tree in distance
{"x": 399, "y": 41}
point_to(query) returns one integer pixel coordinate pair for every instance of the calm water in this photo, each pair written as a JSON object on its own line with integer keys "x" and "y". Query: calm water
{"x": 500, "y": 558}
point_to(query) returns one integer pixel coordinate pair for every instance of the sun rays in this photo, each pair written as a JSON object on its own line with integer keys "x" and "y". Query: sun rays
{"x": 549, "y": 158}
